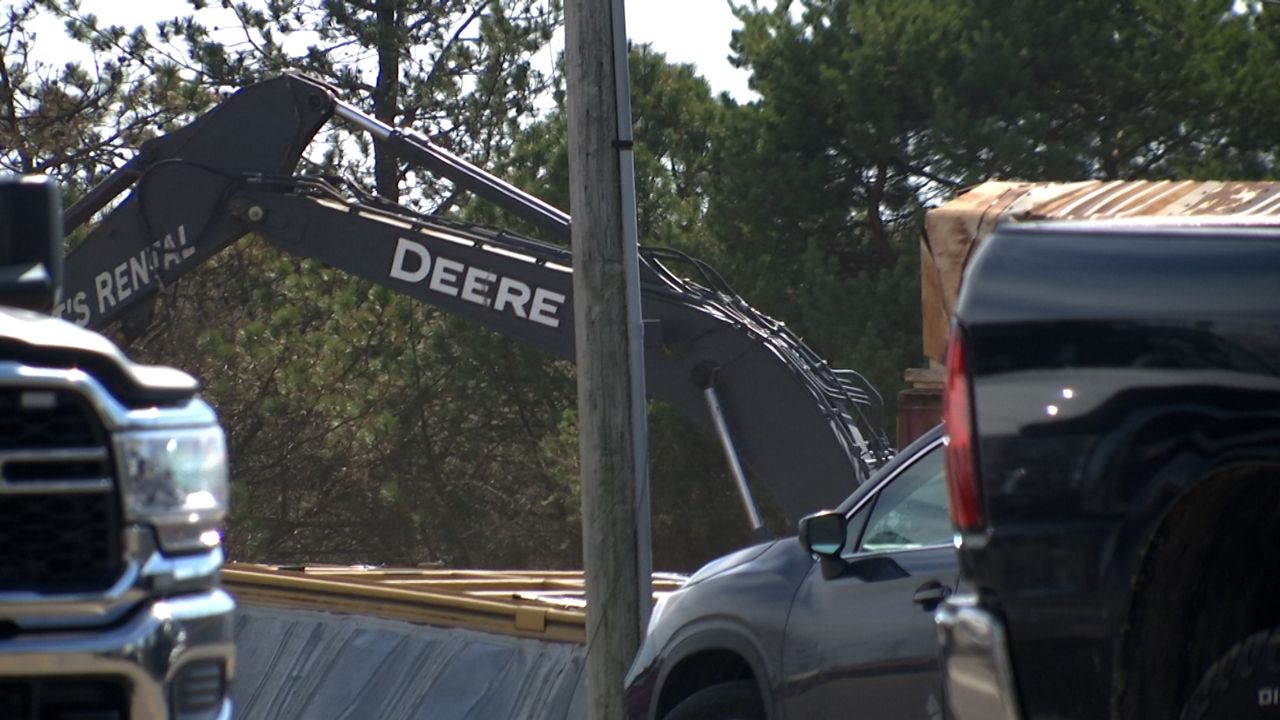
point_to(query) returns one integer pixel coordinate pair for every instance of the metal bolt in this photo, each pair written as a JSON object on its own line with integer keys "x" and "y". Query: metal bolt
{"x": 256, "y": 213}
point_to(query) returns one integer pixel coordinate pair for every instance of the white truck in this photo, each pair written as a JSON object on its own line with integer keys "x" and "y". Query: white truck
{"x": 113, "y": 486}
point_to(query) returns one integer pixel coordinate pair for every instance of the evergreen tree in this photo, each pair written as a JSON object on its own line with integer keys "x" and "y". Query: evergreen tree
{"x": 368, "y": 427}
{"x": 460, "y": 72}
{"x": 695, "y": 512}
{"x": 77, "y": 122}
{"x": 873, "y": 110}
{"x": 364, "y": 426}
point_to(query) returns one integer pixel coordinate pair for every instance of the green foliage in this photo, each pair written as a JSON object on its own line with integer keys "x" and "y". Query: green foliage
{"x": 696, "y": 513}
{"x": 674, "y": 119}
{"x": 75, "y": 122}
{"x": 459, "y": 72}
{"x": 364, "y": 427}
{"x": 1155, "y": 89}
{"x": 870, "y": 111}
{"x": 367, "y": 427}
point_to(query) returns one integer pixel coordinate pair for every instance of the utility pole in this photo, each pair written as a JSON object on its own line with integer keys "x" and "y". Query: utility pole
{"x": 610, "y": 348}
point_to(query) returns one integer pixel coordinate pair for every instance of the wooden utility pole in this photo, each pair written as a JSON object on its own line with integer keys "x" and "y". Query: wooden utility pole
{"x": 609, "y": 338}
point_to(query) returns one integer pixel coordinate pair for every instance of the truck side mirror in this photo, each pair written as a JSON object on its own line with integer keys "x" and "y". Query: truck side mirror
{"x": 30, "y": 242}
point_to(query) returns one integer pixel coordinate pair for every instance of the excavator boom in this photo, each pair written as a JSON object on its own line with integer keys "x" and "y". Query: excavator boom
{"x": 807, "y": 432}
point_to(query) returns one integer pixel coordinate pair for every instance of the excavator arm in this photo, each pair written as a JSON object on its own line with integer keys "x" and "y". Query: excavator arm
{"x": 809, "y": 433}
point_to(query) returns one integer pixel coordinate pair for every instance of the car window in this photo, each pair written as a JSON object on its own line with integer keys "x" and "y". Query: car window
{"x": 911, "y": 511}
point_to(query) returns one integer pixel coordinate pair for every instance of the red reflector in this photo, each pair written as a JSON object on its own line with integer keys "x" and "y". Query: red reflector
{"x": 957, "y": 417}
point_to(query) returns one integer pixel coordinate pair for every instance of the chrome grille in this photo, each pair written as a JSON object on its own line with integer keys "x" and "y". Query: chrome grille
{"x": 38, "y": 418}
{"x": 53, "y": 698}
{"x": 199, "y": 689}
{"x": 60, "y": 520}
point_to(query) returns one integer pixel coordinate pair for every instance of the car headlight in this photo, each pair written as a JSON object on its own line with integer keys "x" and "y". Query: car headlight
{"x": 176, "y": 481}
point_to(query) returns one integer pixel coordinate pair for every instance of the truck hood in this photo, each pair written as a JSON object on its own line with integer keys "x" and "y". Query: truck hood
{"x": 41, "y": 340}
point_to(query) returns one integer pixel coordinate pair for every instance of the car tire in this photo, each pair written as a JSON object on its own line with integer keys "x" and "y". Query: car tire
{"x": 726, "y": 701}
{"x": 1243, "y": 684}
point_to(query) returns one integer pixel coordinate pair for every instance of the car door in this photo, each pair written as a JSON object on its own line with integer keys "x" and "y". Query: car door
{"x": 860, "y": 640}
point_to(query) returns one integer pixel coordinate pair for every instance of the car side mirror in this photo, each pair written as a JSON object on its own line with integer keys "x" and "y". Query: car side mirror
{"x": 30, "y": 242}
{"x": 823, "y": 533}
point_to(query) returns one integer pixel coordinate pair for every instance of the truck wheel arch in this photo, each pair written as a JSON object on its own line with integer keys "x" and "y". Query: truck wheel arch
{"x": 1186, "y": 597}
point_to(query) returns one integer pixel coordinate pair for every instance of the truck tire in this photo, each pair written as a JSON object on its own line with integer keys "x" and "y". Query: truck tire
{"x": 1243, "y": 684}
{"x": 726, "y": 701}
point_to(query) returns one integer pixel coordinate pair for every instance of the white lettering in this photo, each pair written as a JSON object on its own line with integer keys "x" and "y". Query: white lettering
{"x": 475, "y": 287}
{"x": 139, "y": 271}
{"x": 1268, "y": 696}
{"x": 122, "y": 281}
{"x": 171, "y": 256}
{"x": 403, "y": 248}
{"x": 130, "y": 277}
{"x": 102, "y": 282}
{"x": 545, "y": 306}
{"x": 412, "y": 262}
{"x": 176, "y": 252}
{"x": 513, "y": 293}
{"x": 445, "y": 276}
{"x": 80, "y": 303}
{"x": 187, "y": 250}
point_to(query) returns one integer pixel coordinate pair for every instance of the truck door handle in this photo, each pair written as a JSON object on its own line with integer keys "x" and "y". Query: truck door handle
{"x": 930, "y": 594}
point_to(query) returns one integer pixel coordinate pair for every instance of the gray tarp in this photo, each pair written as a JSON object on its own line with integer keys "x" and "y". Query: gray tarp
{"x": 300, "y": 664}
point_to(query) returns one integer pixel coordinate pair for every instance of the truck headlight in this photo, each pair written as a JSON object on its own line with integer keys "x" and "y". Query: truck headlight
{"x": 175, "y": 480}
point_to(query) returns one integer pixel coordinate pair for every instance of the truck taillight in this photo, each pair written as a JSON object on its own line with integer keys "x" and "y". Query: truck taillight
{"x": 961, "y": 458}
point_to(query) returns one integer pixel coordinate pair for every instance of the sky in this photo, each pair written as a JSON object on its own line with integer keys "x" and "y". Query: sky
{"x": 691, "y": 31}
{"x": 686, "y": 31}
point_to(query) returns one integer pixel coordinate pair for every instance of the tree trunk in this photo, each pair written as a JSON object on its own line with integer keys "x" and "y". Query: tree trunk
{"x": 881, "y": 250}
{"x": 386, "y": 97}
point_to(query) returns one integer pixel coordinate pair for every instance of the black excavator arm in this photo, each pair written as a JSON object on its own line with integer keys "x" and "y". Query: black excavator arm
{"x": 808, "y": 432}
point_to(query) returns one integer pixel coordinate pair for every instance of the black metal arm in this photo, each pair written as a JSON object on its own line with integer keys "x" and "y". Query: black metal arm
{"x": 796, "y": 424}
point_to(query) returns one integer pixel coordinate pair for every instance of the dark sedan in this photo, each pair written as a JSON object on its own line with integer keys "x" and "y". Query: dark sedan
{"x": 839, "y": 623}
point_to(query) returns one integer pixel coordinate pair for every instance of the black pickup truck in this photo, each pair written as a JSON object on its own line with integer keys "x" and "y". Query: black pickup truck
{"x": 1113, "y": 418}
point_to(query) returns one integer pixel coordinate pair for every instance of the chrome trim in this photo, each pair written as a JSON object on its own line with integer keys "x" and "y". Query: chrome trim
{"x": 180, "y": 530}
{"x": 889, "y": 478}
{"x": 977, "y": 674}
{"x": 863, "y": 554}
{"x": 54, "y": 487}
{"x": 111, "y": 412}
{"x": 120, "y": 631}
{"x": 80, "y": 454}
{"x": 148, "y": 650}
{"x": 848, "y": 554}
{"x": 165, "y": 572}
{"x": 147, "y": 572}
{"x": 35, "y": 486}
{"x": 115, "y": 419}
{"x": 349, "y": 113}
